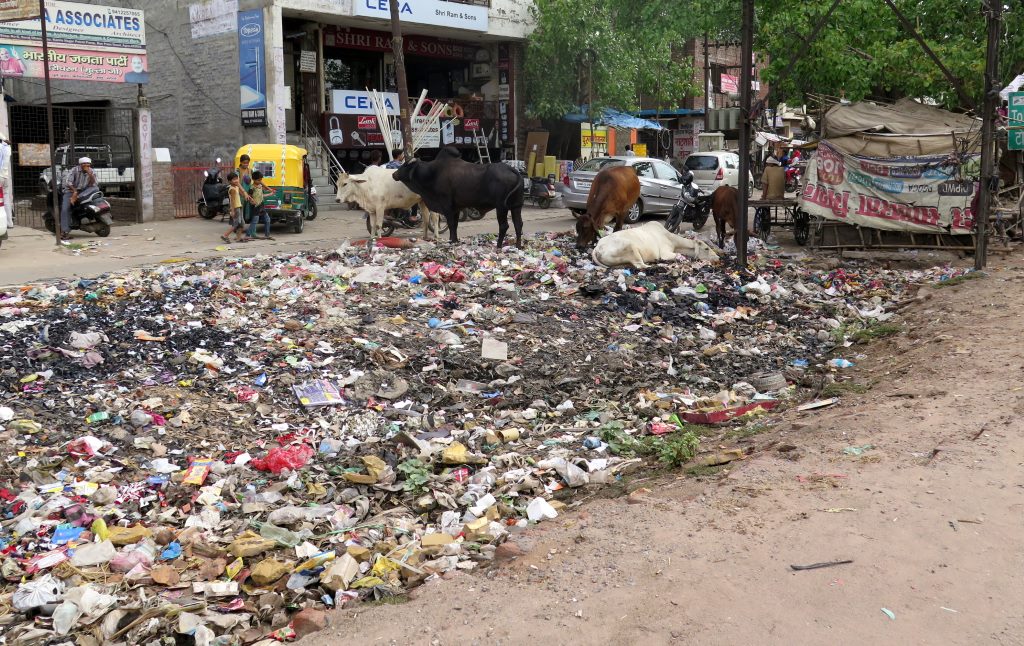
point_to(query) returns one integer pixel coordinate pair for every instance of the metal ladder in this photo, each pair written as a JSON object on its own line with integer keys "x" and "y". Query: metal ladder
{"x": 483, "y": 151}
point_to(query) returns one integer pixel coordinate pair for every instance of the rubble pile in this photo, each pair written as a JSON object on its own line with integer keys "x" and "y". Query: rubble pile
{"x": 218, "y": 451}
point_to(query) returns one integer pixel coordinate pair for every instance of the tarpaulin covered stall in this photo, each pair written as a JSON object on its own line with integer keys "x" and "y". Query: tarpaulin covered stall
{"x": 899, "y": 168}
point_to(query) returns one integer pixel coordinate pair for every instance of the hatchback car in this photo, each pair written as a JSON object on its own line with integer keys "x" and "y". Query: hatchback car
{"x": 716, "y": 168}
{"x": 659, "y": 185}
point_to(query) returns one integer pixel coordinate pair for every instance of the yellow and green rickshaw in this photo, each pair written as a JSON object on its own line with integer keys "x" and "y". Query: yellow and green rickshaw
{"x": 285, "y": 172}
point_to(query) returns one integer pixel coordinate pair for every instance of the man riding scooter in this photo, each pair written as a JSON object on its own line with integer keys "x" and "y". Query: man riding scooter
{"x": 79, "y": 179}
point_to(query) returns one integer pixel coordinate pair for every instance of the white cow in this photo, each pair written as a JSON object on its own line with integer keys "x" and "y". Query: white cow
{"x": 376, "y": 191}
{"x": 649, "y": 243}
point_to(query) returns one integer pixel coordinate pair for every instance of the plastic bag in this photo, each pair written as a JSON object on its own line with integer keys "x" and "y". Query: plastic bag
{"x": 286, "y": 457}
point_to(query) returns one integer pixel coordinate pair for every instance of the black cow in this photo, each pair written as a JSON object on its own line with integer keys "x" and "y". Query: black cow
{"x": 449, "y": 184}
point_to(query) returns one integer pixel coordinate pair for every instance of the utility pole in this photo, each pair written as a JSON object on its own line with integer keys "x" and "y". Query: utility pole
{"x": 993, "y": 13}
{"x": 746, "y": 58}
{"x": 707, "y": 82}
{"x": 57, "y": 201}
{"x": 403, "y": 84}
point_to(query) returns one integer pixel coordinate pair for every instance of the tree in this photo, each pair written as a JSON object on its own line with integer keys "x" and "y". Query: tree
{"x": 627, "y": 49}
{"x": 865, "y": 52}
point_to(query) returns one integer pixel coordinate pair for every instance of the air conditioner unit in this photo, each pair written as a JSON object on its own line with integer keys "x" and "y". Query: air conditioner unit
{"x": 481, "y": 70}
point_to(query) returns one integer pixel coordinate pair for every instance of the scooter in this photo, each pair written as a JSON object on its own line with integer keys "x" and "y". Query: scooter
{"x": 793, "y": 175}
{"x": 693, "y": 206}
{"x": 540, "y": 190}
{"x": 91, "y": 213}
{"x": 394, "y": 218}
{"x": 214, "y": 200}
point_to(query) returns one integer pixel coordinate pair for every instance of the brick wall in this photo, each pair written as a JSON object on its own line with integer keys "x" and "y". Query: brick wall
{"x": 163, "y": 191}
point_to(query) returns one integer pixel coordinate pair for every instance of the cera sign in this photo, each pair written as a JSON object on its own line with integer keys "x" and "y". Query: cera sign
{"x": 919, "y": 194}
{"x": 358, "y": 102}
{"x": 441, "y": 13}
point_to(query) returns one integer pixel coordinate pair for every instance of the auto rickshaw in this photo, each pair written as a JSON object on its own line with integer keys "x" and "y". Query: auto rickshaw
{"x": 285, "y": 172}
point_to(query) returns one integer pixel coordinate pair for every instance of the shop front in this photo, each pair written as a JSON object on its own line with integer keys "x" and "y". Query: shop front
{"x": 472, "y": 79}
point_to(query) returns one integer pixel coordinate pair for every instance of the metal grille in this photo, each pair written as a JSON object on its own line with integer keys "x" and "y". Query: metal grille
{"x": 188, "y": 186}
{"x": 106, "y": 135}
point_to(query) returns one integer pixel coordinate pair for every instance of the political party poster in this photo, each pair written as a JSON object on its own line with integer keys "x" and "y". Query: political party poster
{"x": 916, "y": 194}
{"x": 252, "y": 68}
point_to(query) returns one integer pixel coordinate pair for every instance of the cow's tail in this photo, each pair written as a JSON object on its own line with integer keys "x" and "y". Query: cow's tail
{"x": 597, "y": 261}
{"x": 508, "y": 197}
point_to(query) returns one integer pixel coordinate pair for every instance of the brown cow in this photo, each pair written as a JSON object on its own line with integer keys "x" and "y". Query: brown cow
{"x": 614, "y": 192}
{"x": 723, "y": 206}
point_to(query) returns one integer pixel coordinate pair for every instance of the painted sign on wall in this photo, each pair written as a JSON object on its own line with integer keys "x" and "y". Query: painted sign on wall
{"x": 252, "y": 68}
{"x": 84, "y": 26}
{"x": 20, "y": 61}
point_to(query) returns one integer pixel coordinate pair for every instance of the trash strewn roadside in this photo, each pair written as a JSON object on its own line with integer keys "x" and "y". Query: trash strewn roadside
{"x": 224, "y": 449}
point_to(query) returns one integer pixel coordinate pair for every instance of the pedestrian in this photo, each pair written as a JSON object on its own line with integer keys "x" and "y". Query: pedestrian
{"x": 245, "y": 181}
{"x": 376, "y": 157}
{"x": 5, "y": 176}
{"x": 397, "y": 158}
{"x": 78, "y": 180}
{"x": 258, "y": 209}
{"x": 235, "y": 201}
{"x": 773, "y": 181}
{"x": 629, "y": 151}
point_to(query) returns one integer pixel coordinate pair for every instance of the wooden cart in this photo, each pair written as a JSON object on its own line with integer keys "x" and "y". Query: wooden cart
{"x": 769, "y": 214}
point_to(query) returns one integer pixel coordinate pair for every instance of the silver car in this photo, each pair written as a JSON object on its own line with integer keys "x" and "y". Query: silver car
{"x": 659, "y": 185}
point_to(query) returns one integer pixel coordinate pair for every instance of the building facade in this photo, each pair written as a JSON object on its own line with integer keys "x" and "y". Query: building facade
{"x": 223, "y": 73}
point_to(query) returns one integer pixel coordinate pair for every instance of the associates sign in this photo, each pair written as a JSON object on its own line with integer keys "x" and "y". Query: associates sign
{"x": 87, "y": 43}
{"x": 427, "y": 12}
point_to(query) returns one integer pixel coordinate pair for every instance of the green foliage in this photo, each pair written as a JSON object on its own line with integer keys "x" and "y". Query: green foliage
{"x": 865, "y": 51}
{"x": 630, "y": 49}
{"x": 672, "y": 449}
{"x": 877, "y": 331}
{"x": 416, "y": 473}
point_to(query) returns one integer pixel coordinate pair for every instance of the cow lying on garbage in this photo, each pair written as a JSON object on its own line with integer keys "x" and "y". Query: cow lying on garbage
{"x": 449, "y": 184}
{"x": 639, "y": 246}
{"x": 376, "y": 191}
{"x": 614, "y": 192}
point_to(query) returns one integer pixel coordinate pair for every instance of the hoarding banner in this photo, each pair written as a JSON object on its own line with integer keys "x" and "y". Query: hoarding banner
{"x": 20, "y": 61}
{"x": 82, "y": 26}
{"x": 427, "y": 12}
{"x": 18, "y": 9}
{"x": 212, "y": 17}
{"x": 918, "y": 194}
{"x": 252, "y": 72}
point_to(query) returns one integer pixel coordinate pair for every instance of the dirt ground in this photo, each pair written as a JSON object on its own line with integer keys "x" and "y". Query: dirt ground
{"x": 932, "y": 518}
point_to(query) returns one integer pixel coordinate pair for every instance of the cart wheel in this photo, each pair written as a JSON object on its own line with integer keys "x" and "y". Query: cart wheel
{"x": 762, "y": 223}
{"x": 802, "y": 229}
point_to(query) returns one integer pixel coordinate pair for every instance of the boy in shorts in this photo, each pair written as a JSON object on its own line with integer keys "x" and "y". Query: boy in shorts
{"x": 235, "y": 204}
{"x": 258, "y": 209}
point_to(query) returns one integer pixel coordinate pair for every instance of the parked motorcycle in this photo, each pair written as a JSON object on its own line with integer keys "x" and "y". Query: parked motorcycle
{"x": 693, "y": 206}
{"x": 314, "y": 201}
{"x": 214, "y": 200}
{"x": 540, "y": 190}
{"x": 91, "y": 213}
{"x": 407, "y": 219}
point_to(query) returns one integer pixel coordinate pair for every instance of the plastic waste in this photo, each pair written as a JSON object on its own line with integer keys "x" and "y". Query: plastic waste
{"x": 280, "y": 458}
{"x": 840, "y": 363}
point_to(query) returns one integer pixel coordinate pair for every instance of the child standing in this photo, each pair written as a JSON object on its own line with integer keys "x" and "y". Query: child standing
{"x": 259, "y": 211}
{"x": 235, "y": 204}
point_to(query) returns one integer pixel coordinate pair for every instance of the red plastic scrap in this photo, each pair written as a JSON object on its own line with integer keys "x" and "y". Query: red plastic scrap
{"x": 280, "y": 458}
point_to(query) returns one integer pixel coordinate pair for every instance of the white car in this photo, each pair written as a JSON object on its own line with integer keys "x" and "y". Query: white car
{"x": 716, "y": 168}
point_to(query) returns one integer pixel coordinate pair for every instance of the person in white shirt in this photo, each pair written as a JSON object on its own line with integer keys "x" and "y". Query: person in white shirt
{"x": 629, "y": 151}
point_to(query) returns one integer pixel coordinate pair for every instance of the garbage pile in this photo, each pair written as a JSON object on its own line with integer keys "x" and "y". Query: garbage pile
{"x": 215, "y": 452}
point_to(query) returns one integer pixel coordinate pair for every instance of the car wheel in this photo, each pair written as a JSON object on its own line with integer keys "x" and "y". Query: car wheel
{"x": 633, "y": 216}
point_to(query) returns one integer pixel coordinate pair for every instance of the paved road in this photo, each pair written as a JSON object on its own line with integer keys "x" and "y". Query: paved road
{"x": 31, "y": 255}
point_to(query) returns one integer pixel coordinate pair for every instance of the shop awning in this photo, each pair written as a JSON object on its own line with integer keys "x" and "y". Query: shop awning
{"x": 615, "y": 119}
{"x": 678, "y": 112}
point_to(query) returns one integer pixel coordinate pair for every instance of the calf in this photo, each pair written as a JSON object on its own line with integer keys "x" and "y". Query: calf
{"x": 614, "y": 192}
{"x": 376, "y": 191}
{"x": 724, "y": 207}
{"x": 449, "y": 184}
{"x": 639, "y": 246}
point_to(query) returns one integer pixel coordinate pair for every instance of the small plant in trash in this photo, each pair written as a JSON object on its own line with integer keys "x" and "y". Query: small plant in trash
{"x": 416, "y": 473}
{"x": 675, "y": 449}
{"x": 879, "y": 331}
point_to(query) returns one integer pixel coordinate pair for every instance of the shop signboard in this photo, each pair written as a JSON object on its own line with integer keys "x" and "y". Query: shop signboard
{"x": 684, "y": 140}
{"x": 472, "y": 124}
{"x": 358, "y": 102}
{"x": 252, "y": 68}
{"x": 360, "y": 131}
{"x": 730, "y": 84}
{"x": 918, "y": 194}
{"x": 82, "y": 26}
{"x": 441, "y": 13}
{"x": 87, "y": 43}
{"x": 307, "y": 61}
{"x": 413, "y": 44}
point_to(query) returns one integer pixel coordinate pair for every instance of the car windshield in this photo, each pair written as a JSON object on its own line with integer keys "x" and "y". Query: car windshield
{"x": 702, "y": 162}
{"x": 596, "y": 164}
